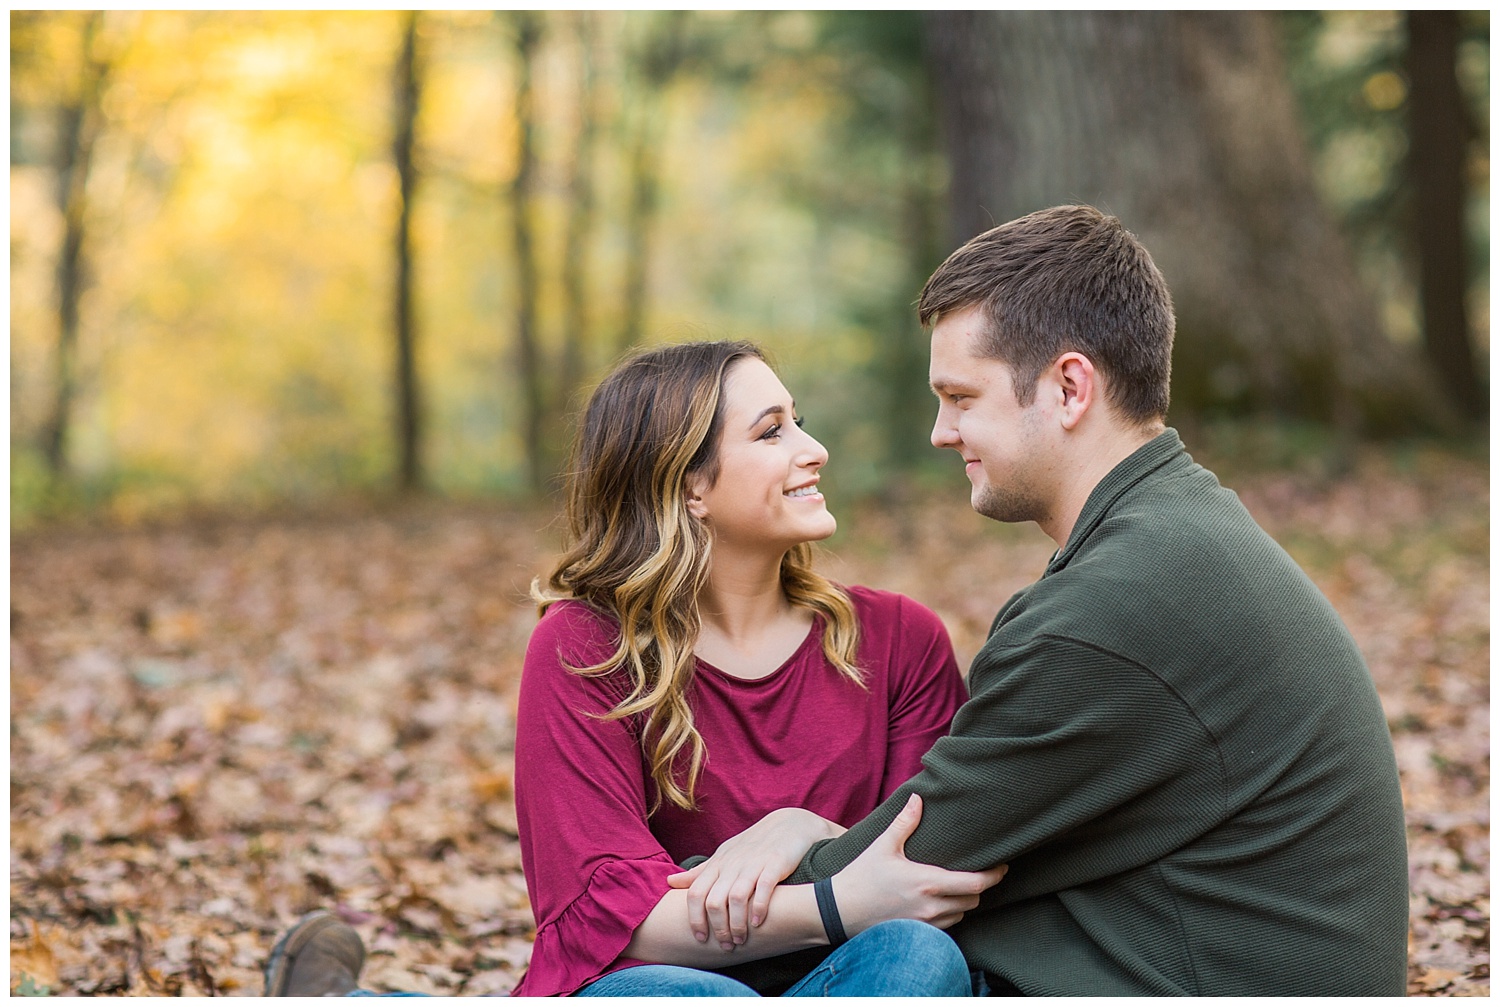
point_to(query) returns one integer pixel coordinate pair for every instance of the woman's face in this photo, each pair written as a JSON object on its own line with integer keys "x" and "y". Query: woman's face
{"x": 766, "y": 494}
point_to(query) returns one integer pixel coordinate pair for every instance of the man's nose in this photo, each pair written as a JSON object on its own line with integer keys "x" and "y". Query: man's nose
{"x": 944, "y": 432}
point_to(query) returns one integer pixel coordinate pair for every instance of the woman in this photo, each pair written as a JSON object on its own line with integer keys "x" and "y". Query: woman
{"x": 693, "y": 687}
{"x": 692, "y": 674}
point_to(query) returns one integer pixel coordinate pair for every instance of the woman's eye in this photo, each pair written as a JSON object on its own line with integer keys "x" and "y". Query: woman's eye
{"x": 800, "y": 421}
{"x": 774, "y": 430}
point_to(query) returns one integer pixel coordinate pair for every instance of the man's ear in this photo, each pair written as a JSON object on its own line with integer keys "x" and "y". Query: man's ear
{"x": 1078, "y": 386}
{"x": 693, "y": 488}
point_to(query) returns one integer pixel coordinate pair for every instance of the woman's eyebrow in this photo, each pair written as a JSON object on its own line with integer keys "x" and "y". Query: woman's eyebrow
{"x": 769, "y": 410}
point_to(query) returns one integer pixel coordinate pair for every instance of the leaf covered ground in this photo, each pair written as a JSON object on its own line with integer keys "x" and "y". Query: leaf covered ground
{"x": 218, "y": 724}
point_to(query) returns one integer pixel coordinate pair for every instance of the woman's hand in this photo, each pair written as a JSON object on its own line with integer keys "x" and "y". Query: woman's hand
{"x": 881, "y": 884}
{"x": 731, "y": 891}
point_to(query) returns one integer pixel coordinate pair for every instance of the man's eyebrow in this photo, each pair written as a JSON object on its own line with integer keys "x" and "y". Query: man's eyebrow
{"x": 941, "y": 384}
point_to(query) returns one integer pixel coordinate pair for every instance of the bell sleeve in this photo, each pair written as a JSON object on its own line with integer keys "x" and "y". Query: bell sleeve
{"x": 593, "y": 869}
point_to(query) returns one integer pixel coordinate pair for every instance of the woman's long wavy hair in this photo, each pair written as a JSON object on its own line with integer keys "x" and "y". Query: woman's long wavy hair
{"x": 636, "y": 554}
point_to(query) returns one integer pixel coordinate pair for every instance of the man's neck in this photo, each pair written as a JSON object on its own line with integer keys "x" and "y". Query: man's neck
{"x": 1094, "y": 456}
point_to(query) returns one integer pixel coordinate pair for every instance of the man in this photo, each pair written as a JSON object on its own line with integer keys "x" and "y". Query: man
{"x": 1171, "y": 738}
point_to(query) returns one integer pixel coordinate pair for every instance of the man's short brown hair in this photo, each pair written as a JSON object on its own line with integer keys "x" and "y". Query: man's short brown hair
{"x": 1061, "y": 279}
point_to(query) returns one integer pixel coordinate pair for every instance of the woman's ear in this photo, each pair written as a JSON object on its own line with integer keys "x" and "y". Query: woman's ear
{"x": 693, "y": 491}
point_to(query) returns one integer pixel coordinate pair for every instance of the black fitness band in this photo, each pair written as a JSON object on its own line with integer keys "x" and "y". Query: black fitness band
{"x": 828, "y": 908}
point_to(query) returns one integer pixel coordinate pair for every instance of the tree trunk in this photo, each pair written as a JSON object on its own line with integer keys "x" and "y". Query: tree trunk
{"x": 660, "y": 59}
{"x": 408, "y": 416}
{"x": 1184, "y": 126}
{"x": 902, "y": 351}
{"x": 1438, "y": 127}
{"x": 527, "y": 27}
{"x": 580, "y": 221}
{"x": 81, "y": 123}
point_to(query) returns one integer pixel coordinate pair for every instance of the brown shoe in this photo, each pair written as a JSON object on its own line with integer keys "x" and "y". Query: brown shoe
{"x": 320, "y": 956}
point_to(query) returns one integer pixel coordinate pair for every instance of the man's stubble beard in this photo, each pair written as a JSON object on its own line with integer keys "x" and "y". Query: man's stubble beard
{"x": 1025, "y": 495}
{"x": 1010, "y": 504}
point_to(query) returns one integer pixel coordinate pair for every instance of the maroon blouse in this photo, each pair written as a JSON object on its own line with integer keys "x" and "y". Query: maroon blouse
{"x": 804, "y": 736}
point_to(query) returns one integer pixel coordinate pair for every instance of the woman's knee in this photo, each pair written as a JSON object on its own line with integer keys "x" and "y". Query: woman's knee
{"x": 928, "y": 955}
{"x": 912, "y": 934}
{"x": 666, "y": 981}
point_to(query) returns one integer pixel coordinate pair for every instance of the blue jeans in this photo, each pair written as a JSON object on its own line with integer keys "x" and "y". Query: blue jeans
{"x": 897, "y": 958}
{"x": 367, "y": 993}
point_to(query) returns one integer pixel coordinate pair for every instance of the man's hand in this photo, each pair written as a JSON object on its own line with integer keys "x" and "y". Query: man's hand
{"x": 731, "y": 891}
{"x": 881, "y": 884}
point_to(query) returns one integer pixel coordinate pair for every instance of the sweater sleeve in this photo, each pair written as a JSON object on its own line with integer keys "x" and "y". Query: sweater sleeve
{"x": 593, "y": 869}
{"x": 1069, "y": 763}
{"x": 927, "y": 690}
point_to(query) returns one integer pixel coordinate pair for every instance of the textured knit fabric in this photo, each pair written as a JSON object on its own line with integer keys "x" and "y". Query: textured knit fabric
{"x": 1175, "y": 744}
{"x": 804, "y": 736}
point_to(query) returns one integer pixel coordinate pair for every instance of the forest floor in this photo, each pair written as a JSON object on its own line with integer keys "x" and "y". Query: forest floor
{"x": 218, "y": 724}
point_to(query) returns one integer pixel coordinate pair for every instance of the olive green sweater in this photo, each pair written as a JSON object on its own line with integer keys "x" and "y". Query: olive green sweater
{"x": 1175, "y": 744}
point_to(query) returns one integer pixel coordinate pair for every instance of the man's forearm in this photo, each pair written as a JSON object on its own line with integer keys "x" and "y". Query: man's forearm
{"x": 830, "y": 856}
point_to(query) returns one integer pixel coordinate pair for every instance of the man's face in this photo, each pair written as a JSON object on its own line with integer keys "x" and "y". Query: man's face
{"x": 1005, "y": 448}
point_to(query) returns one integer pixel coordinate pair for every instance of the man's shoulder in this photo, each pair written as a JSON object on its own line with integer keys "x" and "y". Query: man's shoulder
{"x": 1176, "y": 567}
{"x": 1198, "y": 597}
{"x": 1181, "y": 505}
{"x": 1171, "y": 540}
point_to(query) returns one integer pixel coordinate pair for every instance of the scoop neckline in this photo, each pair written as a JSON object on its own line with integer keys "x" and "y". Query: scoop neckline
{"x": 814, "y": 635}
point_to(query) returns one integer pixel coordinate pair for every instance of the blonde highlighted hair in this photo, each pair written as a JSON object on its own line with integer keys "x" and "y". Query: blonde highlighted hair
{"x": 636, "y": 554}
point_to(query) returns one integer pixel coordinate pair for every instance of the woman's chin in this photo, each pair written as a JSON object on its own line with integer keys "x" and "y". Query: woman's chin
{"x": 830, "y": 525}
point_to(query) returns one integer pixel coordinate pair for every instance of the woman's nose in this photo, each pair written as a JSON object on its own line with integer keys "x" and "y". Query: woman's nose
{"x": 815, "y": 455}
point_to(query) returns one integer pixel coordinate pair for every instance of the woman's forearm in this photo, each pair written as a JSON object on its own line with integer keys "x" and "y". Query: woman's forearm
{"x": 664, "y": 936}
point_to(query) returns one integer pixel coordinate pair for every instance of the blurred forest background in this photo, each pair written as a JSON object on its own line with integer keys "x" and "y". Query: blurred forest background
{"x": 302, "y": 305}
{"x": 259, "y": 257}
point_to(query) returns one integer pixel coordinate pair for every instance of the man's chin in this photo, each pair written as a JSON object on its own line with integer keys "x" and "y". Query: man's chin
{"x": 1009, "y": 508}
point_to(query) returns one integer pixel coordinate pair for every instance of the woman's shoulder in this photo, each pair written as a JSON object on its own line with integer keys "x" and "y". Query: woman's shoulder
{"x": 875, "y": 602}
{"x": 576, "y": 632}
{"x": 577, "y": 616}
{"x": 890, "y": 612}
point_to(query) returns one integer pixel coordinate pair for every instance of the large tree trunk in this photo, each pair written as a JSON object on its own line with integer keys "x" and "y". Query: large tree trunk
{"x": 1439, "y": 130}
{"x": 1184, "y": 126}
{"x": 408, "y": 417}
{"x": 80, "y": 124}
{"x": 527, "y": 35}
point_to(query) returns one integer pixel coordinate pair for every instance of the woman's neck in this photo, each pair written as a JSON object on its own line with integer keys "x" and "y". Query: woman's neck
{"x": 743, "y": 595}
{"x": 748, "y": 627}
